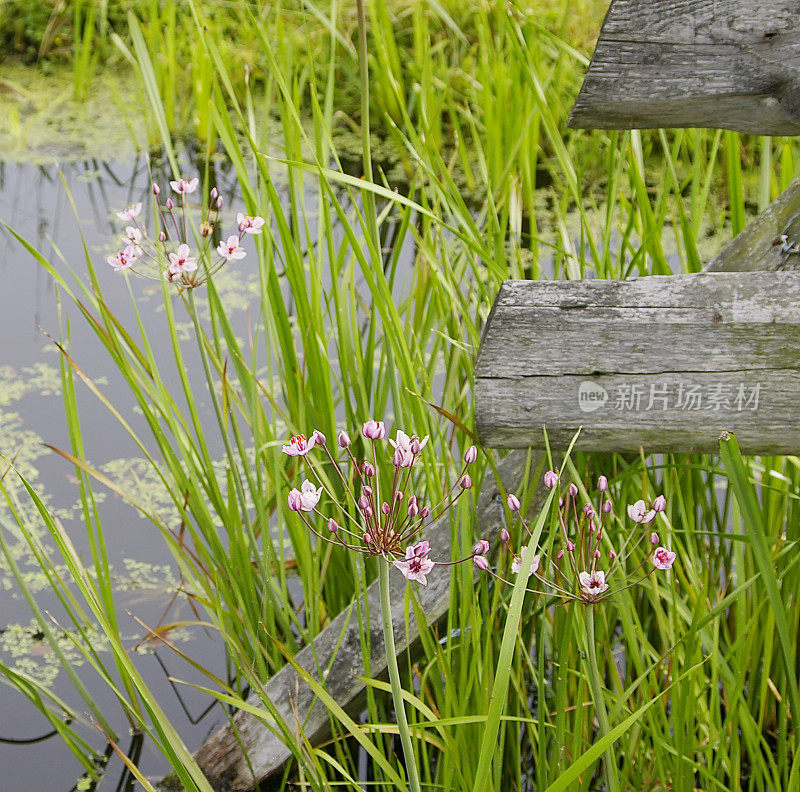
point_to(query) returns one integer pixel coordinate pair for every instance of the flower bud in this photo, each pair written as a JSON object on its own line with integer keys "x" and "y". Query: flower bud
{"x": 333, "y": 526}
{"x": 413, "y": 509}
{"x": 374, "y": 430}
{"x": 414, "y": 446}
{"x": 559, "y": 555}
{"x": 398, "y": 496}
{"x": 480, "y": 562}
{"x": 612, "y": 555}
{"x": 295, "y": 500}
{"x": 466, "y": 481}
{"x": 368, "y": 511}
{"x": 560, "y": 502}
{"x": 425, "y": 512}
{"x": 573, "y": 490}
{"x": 399, "y": 458}
{"x": 504, "y": 536}
{"x": 607, "y": 506}
{"x": 570, "y": 545}
{"x": 368, "y": 469}
{"x": 363, "y": 503}
{"x": 219, "y": 202}
{"x": 367, "y": 538}
{"x": 660, "y": 503}
{"x": 343, "y": 439}
{"x": 162, "y": 237}
{"x": 470, "y": 455}
{"x": 385, "y": 507}
{"x": 654, "y": 538}
{"x": 169, "y": 204}
{"x": 550, "y": 479}
{"x": 214, "y": 193}
{"x": 318, "y": 437}
{"x": 480, "y": 547}
{"x": 598, "y": 535}
{"x": 367, "y": 491}
{"x": 597, "y": 554}
{"x": 588, "y": 510}
{"x": 156, "y": 189}
{"x": 602, "y": 484}
{"x": 513, "y": 502}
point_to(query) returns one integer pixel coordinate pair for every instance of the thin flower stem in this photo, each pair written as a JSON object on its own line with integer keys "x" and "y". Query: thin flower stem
{"x": 610, "y": 762}
{"x": 394, "y": 678}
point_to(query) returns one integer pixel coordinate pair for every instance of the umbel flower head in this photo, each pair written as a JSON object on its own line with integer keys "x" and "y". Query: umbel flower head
{"x": 378, "y": 518}
{"x": 581, "y": 562}
{"x": 183, "y": 250}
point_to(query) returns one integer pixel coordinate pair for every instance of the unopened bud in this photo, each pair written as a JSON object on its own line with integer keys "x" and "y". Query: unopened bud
{"x": 504, "y": 536}
{"x": 368, "y": 538}
{"x": 597, "y": 554}
{"x": 425, "y": 513}
{"x": 333, "y": 526}
{"x": 550, "y": 479}
{"x": 612, "y": 555}
{"x": 660, "y": 503}
{"x": 368, "y": 469}
{"x": 414, "y": 445}
{"x": 214, "y": 193}
{"x": 559, "y": 555}
{"x": 398, "y": 496}
{"x": 363, "y": 502}
{"x": 573, "y": 490}
{"x": 318, "y": 437}
{"x": 169, "y": 204}
{"x": 343, "y": 439}
{"x": 466, "y": 481}
{"x": 602, "y": 484}
{"x": 413, "y": 509}
{"x": 480, "y": 547}
{"x": 470, "y": 455}
{"x": 654, "y": 538}
{"x": 560, "y": 502}
{"x": 368, "y": 511}
{"x": 162, "y": 237}
{"x": 385, "y": 507}
{"x": 607, "y": 506}
{"x": 156, "y": 189}
{"x": 588, "y": 510}
{"x": 598, "y": 535}
{"x": 513, "y": 502}
{"x": 570, "y": 545}
{"x": 480, "y": 562}
{"x": 219, "y": 202}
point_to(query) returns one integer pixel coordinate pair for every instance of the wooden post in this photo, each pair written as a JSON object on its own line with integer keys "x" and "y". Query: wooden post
{"x": 733, "y": 64}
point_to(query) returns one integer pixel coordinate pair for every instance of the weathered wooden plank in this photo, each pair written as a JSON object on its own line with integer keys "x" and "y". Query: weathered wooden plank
{"x": 723, "y": 353}
{"x": 221, "y": 756}
{"x": 732, "y": 64}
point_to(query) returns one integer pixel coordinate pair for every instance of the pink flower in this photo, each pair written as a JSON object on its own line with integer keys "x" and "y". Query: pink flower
{"x": 405, "y": 448}
{"x": 309, "y": 496}
{"x": 133, "y": 235}
{"x": 299, "y": 446}
{"x": 550, "y": 479}
{"x": 249, "y": 225}
{"x": 184, "y": 186}
{"x": 374, "y": 430}
{"x": 663, "y": 558}
{"x": 121, "y": 261}
{"x": 230, "y": 249}
{"x": 129, "y": 212}
{"x": 470, "y": 455}
{"x": 295, "y": 500}
{"x": 181, "y": 261}
{"x": 593, "y": 583}
{"x": 416, "y": 565}
{"x": 639, "y": 513}
{"x": 516, "y": 564}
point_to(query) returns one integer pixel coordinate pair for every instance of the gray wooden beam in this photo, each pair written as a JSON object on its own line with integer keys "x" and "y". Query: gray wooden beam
{"x": 665, "y": 363}
{"x": 221, "y": 757}
{"x": 732, "y": 64}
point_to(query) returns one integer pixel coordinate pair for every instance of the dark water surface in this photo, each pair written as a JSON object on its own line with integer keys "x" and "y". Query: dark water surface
{"x": 34, "y": 201}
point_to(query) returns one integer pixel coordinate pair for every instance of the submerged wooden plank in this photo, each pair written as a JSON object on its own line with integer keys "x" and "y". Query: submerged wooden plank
{"x": 221, "y": 757}
{"x": 665, "y": 363}
{"x": 732, "y": 64}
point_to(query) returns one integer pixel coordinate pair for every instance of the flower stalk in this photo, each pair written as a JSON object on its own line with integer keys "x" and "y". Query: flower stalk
{"x": 394, "y": 679}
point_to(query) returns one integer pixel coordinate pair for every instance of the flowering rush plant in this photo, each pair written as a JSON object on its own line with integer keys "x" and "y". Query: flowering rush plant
{"x": 184, "y": 258}
{"x": 585, "y": 564}
{"x": 383, "y": 519}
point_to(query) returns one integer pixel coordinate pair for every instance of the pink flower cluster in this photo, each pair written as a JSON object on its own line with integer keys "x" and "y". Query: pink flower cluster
{"x": 377, "y": 518}
{"x": 170, "y": 255}
{"x": 576, "y": 569}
